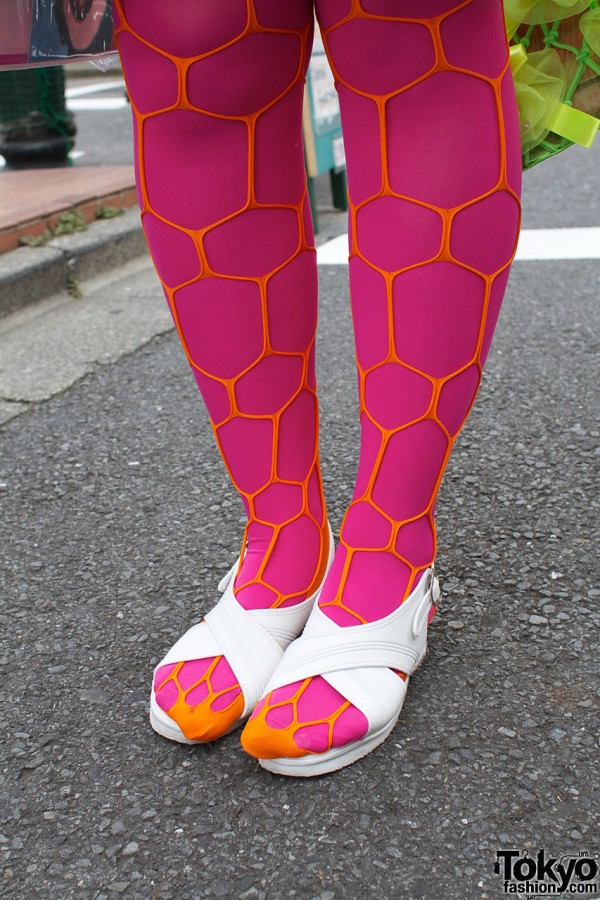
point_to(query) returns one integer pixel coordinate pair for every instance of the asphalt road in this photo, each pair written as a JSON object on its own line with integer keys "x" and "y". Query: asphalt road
{"x": 118, "y": 521}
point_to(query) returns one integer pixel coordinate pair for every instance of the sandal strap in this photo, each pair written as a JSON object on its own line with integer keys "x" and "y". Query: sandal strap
{"x": 253, "y": 641}
{"x": 396, "y": 642}
{"x": 246, "y": 641}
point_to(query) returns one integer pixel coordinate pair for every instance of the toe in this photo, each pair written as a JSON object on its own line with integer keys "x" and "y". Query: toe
{"x": 302, "y": 718}
{"x": 202, "y": 696}
{"x": 263, "y": 739}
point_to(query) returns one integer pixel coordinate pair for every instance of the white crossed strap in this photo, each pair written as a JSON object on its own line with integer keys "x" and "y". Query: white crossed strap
{"x": 358, "y": 660}
{"x": 252, "y": 641}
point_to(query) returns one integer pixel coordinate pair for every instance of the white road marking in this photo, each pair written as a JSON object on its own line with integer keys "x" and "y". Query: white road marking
{"x": 85, "y": 89}
{"x": 96, "y": 103}
{"x": 559, "y": 243}
{"x": 534, "y": 244}
{"x": 334, "y": 252}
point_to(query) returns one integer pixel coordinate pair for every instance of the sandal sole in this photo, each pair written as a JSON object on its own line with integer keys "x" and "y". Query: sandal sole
{"x": 324, "y": 763}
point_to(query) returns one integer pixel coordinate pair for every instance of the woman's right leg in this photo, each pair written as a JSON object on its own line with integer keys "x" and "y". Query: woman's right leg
{"x": 216, "y": 89}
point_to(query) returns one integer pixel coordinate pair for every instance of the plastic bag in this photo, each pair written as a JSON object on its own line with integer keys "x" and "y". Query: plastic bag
{"x": 43, "y": 32}
{"x": 555, "y": 61}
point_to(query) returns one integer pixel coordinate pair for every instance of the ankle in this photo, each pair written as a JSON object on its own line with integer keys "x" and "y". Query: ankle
{"x": 283, "y": 564}
{"x": 365, "y": 585}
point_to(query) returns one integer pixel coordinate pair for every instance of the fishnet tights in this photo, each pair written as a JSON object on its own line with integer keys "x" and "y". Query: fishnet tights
{"x": 434, "y": 172}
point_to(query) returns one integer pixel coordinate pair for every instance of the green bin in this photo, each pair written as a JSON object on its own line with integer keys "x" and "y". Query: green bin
{"x": 36, "y": 127}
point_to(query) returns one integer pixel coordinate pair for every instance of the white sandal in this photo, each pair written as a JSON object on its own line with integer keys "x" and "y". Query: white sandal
{"x": 252, "y": 641}
{"x": 357, "y": 661}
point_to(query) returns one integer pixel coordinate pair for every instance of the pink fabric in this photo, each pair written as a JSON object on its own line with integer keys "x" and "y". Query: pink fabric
{"x": 280, "y": 695}
{"x": 162, "y": 674}
{"x": 395, "y": 395}
{"x": 464, "y": 112}
{"x": 350, "y": 726}
{"x": 281, "y": 716}
{"x": 363, "y": 515}
{"x": 222, "y": 676}
{"x": 153, "y": 81}
{"x": 313, "y": 737}
{"x": 381, "y": 222}
{"x": 199, "y": 29}
{"x": 415, "y": 541}
{"x": 192, "y": 671}
{"x": 269, "y": 62}
{"x": 434, "y": 219}
{"x": 438, "y": 335}
{"x": 207, "y": 176}
{"x": 423, "y": 330}
{"x": 238, "y": 247}
{"x": 313, "y": 704}
{"x": 291, "y": 706}
{"x": 196, "y": 696}
{"x": 379, "y": 68}
{"x": 167, "y": 695}
{"x": 224, "y": 700}
{"x": 173, "y": 251}
{"x": 196, "y": 683}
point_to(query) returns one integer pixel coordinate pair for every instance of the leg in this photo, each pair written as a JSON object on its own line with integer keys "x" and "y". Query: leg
{"x": 434, "y": 169}
{"x": 216, "y": 91}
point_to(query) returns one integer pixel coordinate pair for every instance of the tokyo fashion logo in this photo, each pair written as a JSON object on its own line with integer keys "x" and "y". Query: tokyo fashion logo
{"x": 542, "y": 875}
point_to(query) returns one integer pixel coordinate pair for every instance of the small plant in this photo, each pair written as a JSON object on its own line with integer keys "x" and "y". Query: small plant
{"x": 73, "y": 288}
{"x": 69, "y": 223}
{"x": 35, "y": 240}
{"x": 109, "y": 212}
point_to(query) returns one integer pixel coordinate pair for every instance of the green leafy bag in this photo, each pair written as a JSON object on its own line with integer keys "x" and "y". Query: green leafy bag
{"x": 555, "y": 61}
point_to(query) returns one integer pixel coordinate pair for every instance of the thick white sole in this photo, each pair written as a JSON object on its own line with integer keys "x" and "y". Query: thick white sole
{"x": 338, "y": 758}
{"x": 323, "y": 763}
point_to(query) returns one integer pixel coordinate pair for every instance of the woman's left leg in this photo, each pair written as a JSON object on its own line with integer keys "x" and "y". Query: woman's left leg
{"x": 434, "y": 173}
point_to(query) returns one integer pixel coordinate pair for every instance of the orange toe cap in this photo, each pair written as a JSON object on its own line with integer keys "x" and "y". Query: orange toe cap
{"x": 263, "y": 742}
{"x": 202, "y": 711}
{"x": 201, "y": 723}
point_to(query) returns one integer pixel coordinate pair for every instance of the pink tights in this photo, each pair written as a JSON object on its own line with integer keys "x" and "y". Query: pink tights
{"x": 434, "y": 172}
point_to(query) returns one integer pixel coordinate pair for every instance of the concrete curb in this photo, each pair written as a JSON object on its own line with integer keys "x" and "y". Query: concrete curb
{"x": 30, "y": 274}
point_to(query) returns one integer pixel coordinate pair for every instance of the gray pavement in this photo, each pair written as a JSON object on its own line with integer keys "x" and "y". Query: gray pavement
{"x": 117, "y": 522}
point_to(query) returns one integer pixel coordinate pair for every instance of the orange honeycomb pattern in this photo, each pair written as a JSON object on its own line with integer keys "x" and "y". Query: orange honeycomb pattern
{"x": 434, "y": 170}
{"x": 208, "y": 686}
{"x": 224, "y": 204}
{"x": 432, "y": 235}
{"x": 305, "y": 717}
